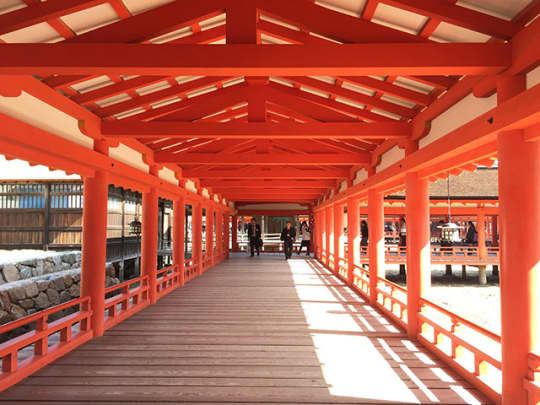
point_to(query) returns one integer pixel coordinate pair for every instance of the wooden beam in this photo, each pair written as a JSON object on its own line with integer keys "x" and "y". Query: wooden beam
{"x": 274, "y": 173}
{"x": 254, "y": 60}
{"x": 269, "y": 184}
{"x": 460, "y": 16}
{"x": 256, "y": 130}
{"x": 263, "y": 159}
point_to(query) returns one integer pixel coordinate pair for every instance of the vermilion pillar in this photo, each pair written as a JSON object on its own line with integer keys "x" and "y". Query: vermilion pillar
{"x": 338, "y": 235}
{"x": 226, "y": 236}
{"x": 481, "y": 229}
{"x": 353, "y": 236}
{"x": 376, "y": 241}
{"x": 149, "y": 240}
{"x": 94, "y": 246}
{"x": 219, "y": 232}
{"x": 322, "y": 236}
{"x": 179, "y": 226}
{"x": 196, "y": 229}
{"x": 418, "y": 248}
{"x": 329, "y": 234}
{"x": 519, "y": 215}
{"x": 210, "y": 234}
{"x": 234, "y": 230}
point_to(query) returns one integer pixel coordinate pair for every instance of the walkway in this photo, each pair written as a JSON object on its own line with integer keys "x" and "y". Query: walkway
{"x": 251, "y": 330}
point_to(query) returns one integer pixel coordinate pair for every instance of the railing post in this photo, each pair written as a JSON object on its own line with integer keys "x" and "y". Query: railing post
{"x": 353, "y": 239}
{"x": 94, "y": 242}
{"x": 338, "y": 233}
{"x": 329, "y": 234}
{"x": 519, "y": 199}
{"x": 179, "y": 226}
{"x": 418, "y": 248}
{"x": 375, "y": 241}
{"x": 149, "y": 240}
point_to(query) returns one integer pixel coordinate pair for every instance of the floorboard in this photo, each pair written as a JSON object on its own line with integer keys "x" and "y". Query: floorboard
{"x": 251, "y": 330}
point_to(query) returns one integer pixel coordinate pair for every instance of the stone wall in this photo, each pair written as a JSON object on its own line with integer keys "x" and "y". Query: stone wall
{"x": 57, "y": 262}
{"x": 25, "y": 297}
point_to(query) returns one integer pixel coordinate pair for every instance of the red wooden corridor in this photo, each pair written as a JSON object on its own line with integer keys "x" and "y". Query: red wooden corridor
{"x": 259, "y": 330}
{"x": 276, "y": 106}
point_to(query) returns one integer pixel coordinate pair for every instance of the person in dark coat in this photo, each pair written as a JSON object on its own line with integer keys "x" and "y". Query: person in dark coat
{"x": 471, "y": 234}
{"x": 254, "y": 235}
{"x": 363, "y": 233}
{"x": 288, "y": 236}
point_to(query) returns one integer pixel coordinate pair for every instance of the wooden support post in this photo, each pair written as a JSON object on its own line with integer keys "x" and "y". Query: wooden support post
{"x": 196, "y": 235}
{"x": 234, "y": 230}
{"x": 481, "y": 229}
{"x": 375, "y": 241}
{"x": 179, "y": 225}
{"x": 47, "y": 216}
{"x": 94, "y": 246}
{"x": 418, "y": 248}
{"x": 482, "y": 275}
{"x": 329, "y": 234}
{"x": 150, "y": 240}
{"x": 464, "y": 272}
{"x": 338, "y": 236}
{"x": 519, "y": 193}
{"x": 353, "y": 236}
{"x": 448, "y": 271}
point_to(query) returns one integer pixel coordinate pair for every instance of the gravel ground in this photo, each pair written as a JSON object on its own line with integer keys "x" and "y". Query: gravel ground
{"x": 479, "y": 304}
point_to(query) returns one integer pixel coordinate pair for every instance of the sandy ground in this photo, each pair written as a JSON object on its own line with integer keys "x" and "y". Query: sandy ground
{"x": 479, "y": 304}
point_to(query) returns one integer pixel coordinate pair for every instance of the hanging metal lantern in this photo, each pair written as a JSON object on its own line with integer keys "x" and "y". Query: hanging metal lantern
{"x": 449, "y": 230}
{"x": 135, "y": 227}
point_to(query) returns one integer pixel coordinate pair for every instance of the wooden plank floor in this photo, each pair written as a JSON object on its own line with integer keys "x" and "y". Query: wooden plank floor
{"x": 251, "y": 330}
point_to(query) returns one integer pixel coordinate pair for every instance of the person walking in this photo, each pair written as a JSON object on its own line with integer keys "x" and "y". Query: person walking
{"x": 402, "y": 232}
{"x": 254, "y": 235}
{"x": 288, "y": 236}
{"x": 306, "y": 238}
{"x": 364, "y": 233}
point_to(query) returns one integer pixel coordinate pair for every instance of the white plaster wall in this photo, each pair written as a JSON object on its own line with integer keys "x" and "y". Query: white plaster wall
{"x": 41, "y": 115}
{"x": 533, "y": 77}
{"x": 205, "y": 193}
{"x": 466, "y": 110}
{"x": 130, "y": 157}
{"x": 168, "y": 175}
{"x": 343, "y": 186}
{"x": 190, "y": 186}
{"x": 20, "y": 170}
{"x": 216, "y": 198}
{"x": 361, "y": 175}
{"x": 390, "y": 157}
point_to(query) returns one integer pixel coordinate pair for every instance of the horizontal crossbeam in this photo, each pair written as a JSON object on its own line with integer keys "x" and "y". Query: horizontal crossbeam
{"x": 265, "y": 159}
{"x": 272, "y": 184}
{"x": 287, "y": 130}
{"x": 274, "y": 173}
{"x": 255, "y": 60}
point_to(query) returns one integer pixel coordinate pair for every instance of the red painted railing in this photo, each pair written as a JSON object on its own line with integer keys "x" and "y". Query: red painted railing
{"x": 132, "y": 298}
{"x": 532, "y": 382}
{"x": 342, "y": 267}
{"x": 191, "y": 269}
{"x": 392, "y": 300}
{"x": 168, "y": 279}
{"x": 471, "y": 350}
{"x": 66, "y": 337}
{"x": 331, "y": 261}
{"x": 361, "y": 280}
